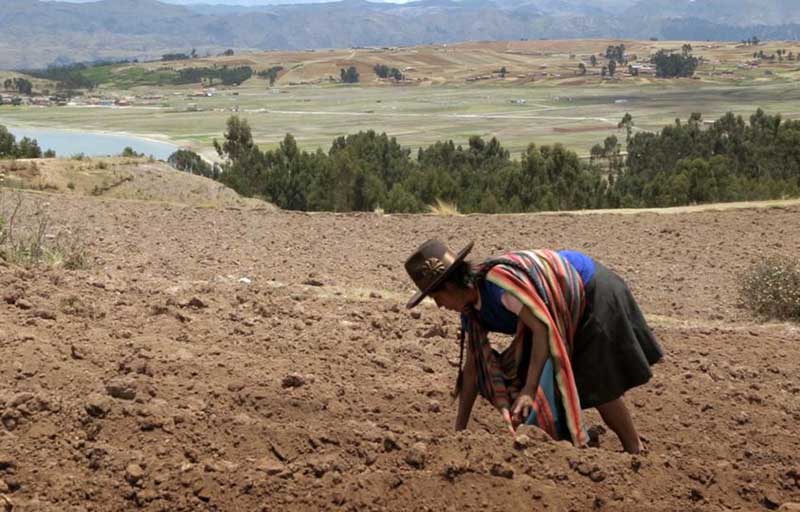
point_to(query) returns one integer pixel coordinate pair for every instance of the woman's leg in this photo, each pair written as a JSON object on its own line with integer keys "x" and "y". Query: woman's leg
{"x": 615, "y": 414}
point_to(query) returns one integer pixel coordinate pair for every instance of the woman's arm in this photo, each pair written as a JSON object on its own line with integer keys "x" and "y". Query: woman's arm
{"x": 469, "y": 391}
{"x": 540, "y": 351}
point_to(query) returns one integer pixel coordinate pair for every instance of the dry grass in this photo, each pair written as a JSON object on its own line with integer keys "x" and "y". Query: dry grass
{"x": 443, "y": 208}
{"x": 121, "y": 178}
{"x": 28, "y": 236}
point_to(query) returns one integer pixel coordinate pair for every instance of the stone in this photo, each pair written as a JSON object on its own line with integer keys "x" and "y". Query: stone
{"x": 124, "y": 389}
{"x": 534, "y": 433}
{"x": 415, "y": 457}
{"x": 12, "y": 483}
{"x": 597, "y": 475}
{"x": 75, "y": 353}
{"x": 293, "y": 380}
{"x": 23, "y": 304}
{"x": 771, "y": 500}
{"x": 584, "y": 469}
{"x": 395, "y": 481}
{"x": 193, "y": 303}
{"x": 19, "y": 399}
{"x": 7, "y": 462}
{"x": 270, "y": 466}
{"x": 522, "y": 442}
{"x": 454, "y": 468}
{"x": 44, "y": 314}
{"x": 97, "y": 405}
{"x": 390, "y": 442}
{"x": 789, "y": 507}
{"x": 502, "y": 471}
{"x": 134, "y": 473}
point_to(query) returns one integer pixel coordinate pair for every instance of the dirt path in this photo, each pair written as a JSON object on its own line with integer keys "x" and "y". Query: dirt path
{"x": 230, "y": 359}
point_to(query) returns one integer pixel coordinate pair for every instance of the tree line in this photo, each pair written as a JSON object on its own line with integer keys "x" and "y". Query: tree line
{"x": 270, "y": 74}
{"x": 68, "y": 77}
{"x": 670, "y": 64}
{"x": 225, "y": 74}
{"x": 20, "y": 85}
{"x": 25, "y": 148}
{"x": 384, "y": 71}
{"x": 729, "y": 160}
{"x": 682, "y": 164}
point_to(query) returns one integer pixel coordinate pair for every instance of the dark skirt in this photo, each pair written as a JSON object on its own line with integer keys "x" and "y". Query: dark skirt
{"x": 613, "y": 347}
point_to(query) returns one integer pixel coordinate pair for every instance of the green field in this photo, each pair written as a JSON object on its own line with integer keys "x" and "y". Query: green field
{"x": 577, "y": 113}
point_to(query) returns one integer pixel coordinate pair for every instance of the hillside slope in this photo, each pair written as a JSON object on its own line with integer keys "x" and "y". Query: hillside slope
{"x": 67, "y": 32}
{"x": 122, "y": 178}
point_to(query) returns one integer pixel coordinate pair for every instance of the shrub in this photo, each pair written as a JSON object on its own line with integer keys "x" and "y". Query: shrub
{"x": 771, "y": 288}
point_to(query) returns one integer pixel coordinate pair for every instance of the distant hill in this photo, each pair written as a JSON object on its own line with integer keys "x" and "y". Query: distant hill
{"x": 66, "y": 32}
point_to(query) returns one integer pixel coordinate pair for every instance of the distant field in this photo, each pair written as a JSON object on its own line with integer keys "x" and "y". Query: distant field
{"x": 540, "y": 100}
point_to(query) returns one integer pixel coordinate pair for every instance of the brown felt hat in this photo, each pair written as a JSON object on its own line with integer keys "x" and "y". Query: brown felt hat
{"x": 430, "y": 265}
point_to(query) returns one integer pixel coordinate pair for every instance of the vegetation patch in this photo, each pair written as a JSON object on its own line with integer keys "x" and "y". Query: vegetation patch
{"x": 771, "y": 288}
{"x": 683, "y": 164}
{"x": 29, "y": 238}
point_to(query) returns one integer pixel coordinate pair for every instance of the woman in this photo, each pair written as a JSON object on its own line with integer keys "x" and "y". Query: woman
{"x": 580, "y": 340}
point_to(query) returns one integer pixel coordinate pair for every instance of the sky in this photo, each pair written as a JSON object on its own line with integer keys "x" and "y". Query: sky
{"x": 236, "y": 2}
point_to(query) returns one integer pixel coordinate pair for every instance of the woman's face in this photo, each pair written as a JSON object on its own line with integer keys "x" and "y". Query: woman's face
{"x": 453, "y": 298}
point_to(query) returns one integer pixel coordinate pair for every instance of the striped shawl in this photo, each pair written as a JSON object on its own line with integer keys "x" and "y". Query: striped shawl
{"x": 551, "y": 288}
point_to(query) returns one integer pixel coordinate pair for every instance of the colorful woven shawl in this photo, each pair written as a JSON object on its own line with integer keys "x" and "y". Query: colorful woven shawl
{"x": 549, "y": 286}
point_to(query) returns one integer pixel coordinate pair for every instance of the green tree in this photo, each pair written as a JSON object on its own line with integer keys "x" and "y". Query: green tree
{"x": 28, "y": 148}
{"x": 349, "y": 75}
{"x": 627, "y": 123}
{"x": 238, "y": 139}
{"x": 128, "y": 152}
{"x": 612, "y": 67}
{"x": 8, "y": 143}
{"x": 616, "y": 53}
{"x": 671, "y": 65}
{"x": 191, "y": 162}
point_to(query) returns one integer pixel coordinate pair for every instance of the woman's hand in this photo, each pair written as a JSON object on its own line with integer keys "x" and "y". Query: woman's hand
{"x": 522, "y": 407}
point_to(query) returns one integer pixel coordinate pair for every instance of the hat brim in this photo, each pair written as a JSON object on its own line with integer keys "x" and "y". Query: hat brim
{"x": 417, "y": 297}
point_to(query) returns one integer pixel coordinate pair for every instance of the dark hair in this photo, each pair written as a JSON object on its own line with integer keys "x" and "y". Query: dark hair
{"x": 461, "y": 276}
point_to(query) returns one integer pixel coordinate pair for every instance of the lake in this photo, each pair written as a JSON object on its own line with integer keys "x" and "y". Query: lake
{"x": 71, "y": 142}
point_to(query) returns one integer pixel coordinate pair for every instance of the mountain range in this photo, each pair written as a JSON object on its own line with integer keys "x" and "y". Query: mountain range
{"x": 36, "y": 33}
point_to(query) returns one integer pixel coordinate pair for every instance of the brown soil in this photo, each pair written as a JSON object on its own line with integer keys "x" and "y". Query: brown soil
{"x": 232, "y": 359}
{"x": 577, "y": 129}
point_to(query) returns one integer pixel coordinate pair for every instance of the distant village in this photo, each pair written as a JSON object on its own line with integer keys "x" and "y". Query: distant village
{"x": 101, "y": 100}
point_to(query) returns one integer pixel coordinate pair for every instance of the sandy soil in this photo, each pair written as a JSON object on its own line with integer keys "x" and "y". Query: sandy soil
{"x": 232, "y": 359}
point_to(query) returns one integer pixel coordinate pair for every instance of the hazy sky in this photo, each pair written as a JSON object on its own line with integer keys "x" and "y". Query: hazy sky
{"x": 236, "y": 2}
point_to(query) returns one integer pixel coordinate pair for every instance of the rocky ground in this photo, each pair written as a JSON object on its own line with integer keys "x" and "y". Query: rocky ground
{"x": 235, "y": 359}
